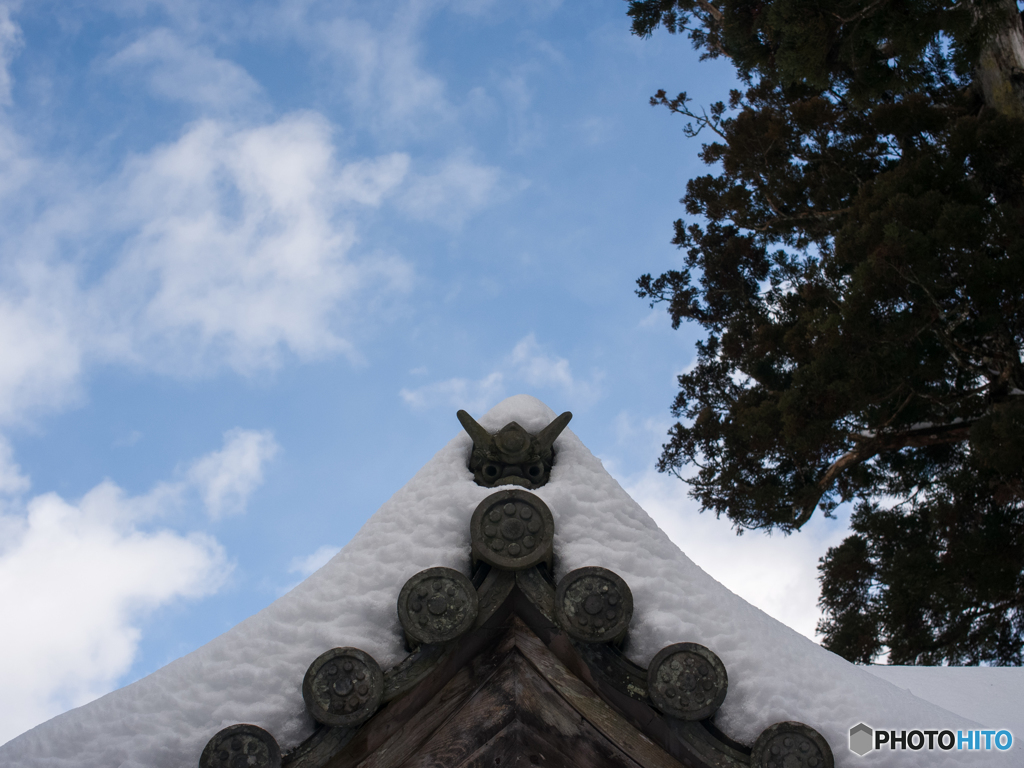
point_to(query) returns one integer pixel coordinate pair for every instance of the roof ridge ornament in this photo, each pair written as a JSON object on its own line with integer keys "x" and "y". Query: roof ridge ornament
{"x": 512, "y": 456}
{"x": 512, "y": 530}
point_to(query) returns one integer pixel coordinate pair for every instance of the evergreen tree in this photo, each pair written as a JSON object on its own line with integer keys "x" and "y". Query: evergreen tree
{"x": 856, "y": 259}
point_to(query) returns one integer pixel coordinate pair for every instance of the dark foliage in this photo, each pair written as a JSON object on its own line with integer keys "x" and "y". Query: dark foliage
{"x": 936, "y": 582}
{"x": 857, "y": 262}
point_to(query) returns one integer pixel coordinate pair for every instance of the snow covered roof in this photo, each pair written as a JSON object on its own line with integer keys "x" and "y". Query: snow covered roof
{"x": 252, "y": 673}
{"x": 982, "y": 694}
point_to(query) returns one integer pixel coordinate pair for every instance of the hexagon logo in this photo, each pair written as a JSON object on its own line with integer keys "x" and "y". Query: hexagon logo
{"x": 861, "y": 738}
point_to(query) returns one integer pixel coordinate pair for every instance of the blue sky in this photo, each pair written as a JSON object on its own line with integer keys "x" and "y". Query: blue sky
{"x": 255, "y": 255}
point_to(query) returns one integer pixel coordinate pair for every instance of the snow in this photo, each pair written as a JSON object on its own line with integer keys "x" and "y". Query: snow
{"x": 992, "y": 696}
{"x": 253, "y": 672}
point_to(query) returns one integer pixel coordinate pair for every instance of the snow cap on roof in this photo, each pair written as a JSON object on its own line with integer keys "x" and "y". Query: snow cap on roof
{"x": 253, "y": 672}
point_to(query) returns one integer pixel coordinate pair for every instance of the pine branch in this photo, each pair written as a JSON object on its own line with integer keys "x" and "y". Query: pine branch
{"x": 865, "y": 11}
{"x": 711, "y": 10}
{"x": 871, "y": 446}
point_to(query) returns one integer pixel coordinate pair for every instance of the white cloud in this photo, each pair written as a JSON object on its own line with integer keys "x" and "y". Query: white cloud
{"x": 12, "y": 481}
{"x": 369, "y": 181}
{"x": 226, "y": 478}
{"x": 305, "y": 566}
{"x": 237, "y": 250}
{"x": 476, "y": 396}
{"x": 230, "y": 247}
{"x": 11, "y": 42}
{"x": 526, "y": 366}
{"x": 595, "y": 130}
{"x": 17, "y": 167}
{"x": 530, "y": 364}
{"x": 525, "y": 128}
{"x": 472, "y": 7}
{"x": 776, "y": 573}
{"x": 75, "y": 581}
{"x": 379, "y": 70}
{"x": 538, "y": 369}
{"x": 188, "y": 73}
{"x": 40, "y": 351}
{"x": 128, "y": 439}
{"x": 451, "y": 195}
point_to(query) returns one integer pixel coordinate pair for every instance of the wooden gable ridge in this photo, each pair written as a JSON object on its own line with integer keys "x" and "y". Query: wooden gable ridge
{"x": 514, "y": 704}
{"x": 516, "y": 691}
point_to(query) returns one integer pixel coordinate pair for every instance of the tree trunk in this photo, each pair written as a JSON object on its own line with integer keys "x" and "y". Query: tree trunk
{"x": 1000, "y": 70}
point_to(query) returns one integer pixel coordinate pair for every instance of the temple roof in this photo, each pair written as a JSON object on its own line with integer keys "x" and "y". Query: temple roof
{"x": 253, "y": 672}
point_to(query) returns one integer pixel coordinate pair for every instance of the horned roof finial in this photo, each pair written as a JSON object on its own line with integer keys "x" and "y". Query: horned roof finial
{"x": 512, "y": 456}
{"x": 481, "y": 437}
{"x": 546, "y": 437}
